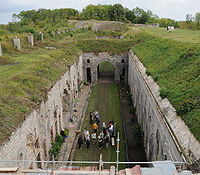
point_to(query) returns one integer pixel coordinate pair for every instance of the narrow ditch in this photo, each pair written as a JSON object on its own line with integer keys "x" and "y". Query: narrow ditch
{"x": 133, "y": 134}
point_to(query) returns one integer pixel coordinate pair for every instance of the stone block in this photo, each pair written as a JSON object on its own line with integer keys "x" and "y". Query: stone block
{"x": 30, "y": 40}
{"x": 41, "y": 36}
{"x": 17, "y": 43}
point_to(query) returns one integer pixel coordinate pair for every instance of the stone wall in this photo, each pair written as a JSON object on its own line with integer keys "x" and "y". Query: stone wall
{"x": 92, "y": 61}
{"x": 32, "y": 139}
{"x": 166, "y": 136}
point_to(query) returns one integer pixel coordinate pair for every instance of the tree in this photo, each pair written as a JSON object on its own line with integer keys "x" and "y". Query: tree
{"x": 130, "y": 15}
{"x": 197, "y": 20}
{"x": 117, "y": 13}
{"x": 189, "y": 18}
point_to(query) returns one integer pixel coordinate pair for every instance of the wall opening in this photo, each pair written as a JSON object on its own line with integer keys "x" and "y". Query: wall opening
{"x": 39, "y": 165}
{"x": 51, "y": 134}
{"x": 105, "y": 71}
{"x": 88, "y": 75}
{"x": 122, "y": 76}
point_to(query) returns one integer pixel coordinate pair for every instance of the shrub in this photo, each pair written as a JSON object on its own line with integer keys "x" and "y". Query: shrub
{"x": 59, "y": 139}
{"x": 56, "y": 146}
{"x": 132, "y": 109}
{"x": 55, "y": 149}
{"x": 130, "y": 98}
{"x": 137, "y": 131}
{"x": 148, "y": 72}
{"x": 164, "y": 92}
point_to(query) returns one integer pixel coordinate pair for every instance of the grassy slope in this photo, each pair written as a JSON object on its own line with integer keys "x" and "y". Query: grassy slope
{"x": 26, "y": 83}
{"x": 105, "y": 99}
{"x": 27, "y": 76}
{"x": 172, "y": 62}
{"x": 175, "y": 65}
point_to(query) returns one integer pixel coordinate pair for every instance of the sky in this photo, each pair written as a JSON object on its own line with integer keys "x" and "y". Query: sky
{"x": 174, "y": 9}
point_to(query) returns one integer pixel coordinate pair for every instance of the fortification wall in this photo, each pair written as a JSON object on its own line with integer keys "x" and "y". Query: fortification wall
{"x": 166, "y": 136}
{"x": 92, "y": 61}
{"x": 32, "y": 140}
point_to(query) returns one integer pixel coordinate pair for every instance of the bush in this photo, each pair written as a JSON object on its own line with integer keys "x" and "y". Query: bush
{"x": 132, "y": 109}
{"x": 130, "y": 98}
{"x": 59, "y": 139}
{"x": 148, "y": 72}
{"x": 55, "y": 149}
{"x": 56, "y": 146}
{"x": 137, "y": 131}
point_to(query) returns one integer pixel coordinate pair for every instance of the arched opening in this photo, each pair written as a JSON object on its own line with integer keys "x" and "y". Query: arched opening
{"x": 21, "y": 156}
{"x": 39, "y": 165}
{"x": 122, "y": 76}
{"x": 88, "y": 75}
{"x": 157, "y": 144}
{"x": 105, "y": 72}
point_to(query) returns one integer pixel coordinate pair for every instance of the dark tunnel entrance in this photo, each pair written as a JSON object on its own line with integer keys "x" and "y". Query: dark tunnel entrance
{"x": 89, "y": 75}
{"x": 105, "y": 72}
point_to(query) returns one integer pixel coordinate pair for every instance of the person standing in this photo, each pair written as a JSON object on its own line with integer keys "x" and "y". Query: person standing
{"x": 98, "y": 118}
{"x": 107, "y": 138}
{"x": 94, "y": 136}
{"x": 110, "y": 129}
{"x": 80, "y": 141}
{"x": 88, "y": 139}
{"x": 91, "y": 118}
{"x": 85, "y": 132}
{"x": 95, "y": 127}
{"x": 104, "y": 128}
{"x": 100, "y": 138}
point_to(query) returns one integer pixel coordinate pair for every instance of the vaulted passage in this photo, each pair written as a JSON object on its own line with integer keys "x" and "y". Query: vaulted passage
{"x": 88, "y": 75}
{"x": 105, "y": 72}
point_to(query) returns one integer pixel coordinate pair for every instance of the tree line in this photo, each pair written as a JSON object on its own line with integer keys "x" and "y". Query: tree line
{"x": 47, "y": 19}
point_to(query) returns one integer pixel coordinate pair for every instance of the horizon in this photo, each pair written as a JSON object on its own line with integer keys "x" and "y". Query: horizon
{"x": 159, "y": 8}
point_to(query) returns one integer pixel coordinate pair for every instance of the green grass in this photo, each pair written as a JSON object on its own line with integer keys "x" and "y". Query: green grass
{"x": 112, "y": 46}
{"x": 26, "y": 77}
{"x": 106, "y": 66}
{"x": 175, "y": 65}
{"x": 188, "y": 36}
{"x": 172, "y": 59}
{"x": 105, "y": 99}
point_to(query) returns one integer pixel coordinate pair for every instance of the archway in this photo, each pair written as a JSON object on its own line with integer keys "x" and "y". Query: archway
{"x": 105, "y": 72}
{"x": 88, "y": 75}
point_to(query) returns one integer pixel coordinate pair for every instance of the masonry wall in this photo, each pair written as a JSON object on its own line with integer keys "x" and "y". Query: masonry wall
{"x": 166, "y": 136}
{"x": 92, "y": 61}
{"x": 32, "y": 140}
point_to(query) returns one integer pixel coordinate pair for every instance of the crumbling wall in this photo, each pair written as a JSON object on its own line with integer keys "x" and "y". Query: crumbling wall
{"x": 32, "y": 139}
{"x": 92, "y": 61}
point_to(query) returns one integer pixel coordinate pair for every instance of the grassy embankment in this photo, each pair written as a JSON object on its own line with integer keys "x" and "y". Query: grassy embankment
{"x": 105, "y": 99}
{"x": 175, "y": 64}
{"x": 28, "y": 75}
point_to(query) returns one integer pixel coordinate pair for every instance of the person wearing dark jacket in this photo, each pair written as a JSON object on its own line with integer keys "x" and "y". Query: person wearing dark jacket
{"x": 80, "y": 141}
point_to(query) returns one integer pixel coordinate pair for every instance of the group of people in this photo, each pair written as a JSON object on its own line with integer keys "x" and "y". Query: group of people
{"x": 105, "y": 134}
